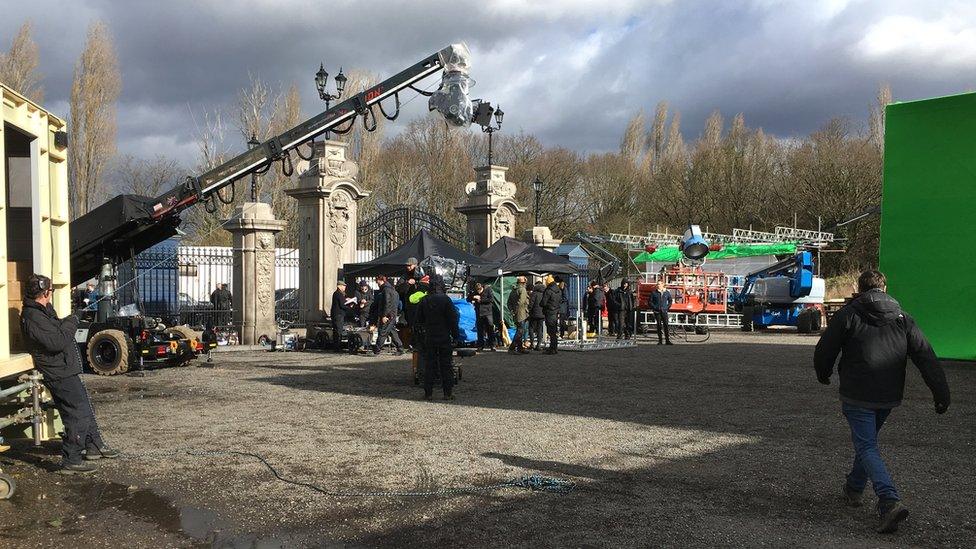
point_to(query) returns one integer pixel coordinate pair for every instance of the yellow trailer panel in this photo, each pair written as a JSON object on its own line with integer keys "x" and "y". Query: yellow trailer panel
{"x": 33, "y": 215}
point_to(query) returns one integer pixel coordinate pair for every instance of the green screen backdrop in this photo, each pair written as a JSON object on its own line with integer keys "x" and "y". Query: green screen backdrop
{"x": 928, "y": 218}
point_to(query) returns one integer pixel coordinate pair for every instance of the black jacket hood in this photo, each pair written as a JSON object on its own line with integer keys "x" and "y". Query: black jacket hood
{"x": 877, "y": 308}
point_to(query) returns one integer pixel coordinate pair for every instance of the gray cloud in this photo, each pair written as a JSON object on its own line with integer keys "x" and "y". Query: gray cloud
{"x": 571, "y": 72}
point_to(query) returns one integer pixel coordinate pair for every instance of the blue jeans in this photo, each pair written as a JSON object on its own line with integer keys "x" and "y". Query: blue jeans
{"x": 865, "y": 425}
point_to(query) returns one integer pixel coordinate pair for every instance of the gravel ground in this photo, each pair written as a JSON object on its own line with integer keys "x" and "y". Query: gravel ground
{"x": 729, "y": 442}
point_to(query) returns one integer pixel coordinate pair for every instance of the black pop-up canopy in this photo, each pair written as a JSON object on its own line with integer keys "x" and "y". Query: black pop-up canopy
{"x": 511, "y": 256}
{"x": 422, "y": 245}
{"x": 117, "y": 229}
{"x": 504, "y": 249}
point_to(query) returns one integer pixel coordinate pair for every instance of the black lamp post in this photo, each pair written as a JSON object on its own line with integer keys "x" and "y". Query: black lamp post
{"x": 322, "y": 83}
{"x": 251, "y": 143}
{"x": 537, "y": 187}
{"x": 486, "y": 126}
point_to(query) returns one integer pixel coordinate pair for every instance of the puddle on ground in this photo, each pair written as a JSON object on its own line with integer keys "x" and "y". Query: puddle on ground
{"x": 202, "y": 525}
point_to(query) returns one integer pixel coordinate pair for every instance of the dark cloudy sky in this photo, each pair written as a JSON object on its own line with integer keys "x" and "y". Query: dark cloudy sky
{"x": 570, "y": 71}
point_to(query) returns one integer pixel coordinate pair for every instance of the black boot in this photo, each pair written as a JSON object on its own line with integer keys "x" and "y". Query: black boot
{"x": 852, "y": 498}
{"x": 448, "y": 394}
{"x": 78, "y": 468}
{"x": 94, "y": 453}
{"x": 428, "y": 394}
{"x": 892, "y": 514}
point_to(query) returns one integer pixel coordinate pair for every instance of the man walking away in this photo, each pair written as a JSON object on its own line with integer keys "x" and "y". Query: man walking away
{"x": 387, "y": 307}
{"x": 337, "y": 314}
{"x": 625, "y": 310}
{"x": 661, "y": 302}
{"x": 550, "y": 309}
{"x": 484, "y": 305}
{"x": 51, "y": 342}
{"x": 874, "y": 337}
{"x": 537, "y": 319}
{"x": 518, "y": 306}
{"x": 439, "y": 320}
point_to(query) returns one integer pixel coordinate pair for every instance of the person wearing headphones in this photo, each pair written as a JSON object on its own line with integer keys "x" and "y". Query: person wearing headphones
{"x": 51, "y": 342}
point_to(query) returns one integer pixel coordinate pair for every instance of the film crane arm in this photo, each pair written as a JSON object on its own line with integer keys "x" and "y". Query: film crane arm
{"x": 125, "y": 225}
{"x": 610, "y": 263}
{"x": 204, "y": 186}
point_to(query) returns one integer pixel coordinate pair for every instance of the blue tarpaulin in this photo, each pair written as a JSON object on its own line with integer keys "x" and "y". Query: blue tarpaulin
{"x": 466, "y": 320}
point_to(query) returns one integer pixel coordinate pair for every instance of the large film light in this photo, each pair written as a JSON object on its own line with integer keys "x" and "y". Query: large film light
{"x": 693, "y": 244}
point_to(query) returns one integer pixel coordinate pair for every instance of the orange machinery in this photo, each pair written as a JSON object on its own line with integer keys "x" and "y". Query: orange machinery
{"x": 694, "y": 290}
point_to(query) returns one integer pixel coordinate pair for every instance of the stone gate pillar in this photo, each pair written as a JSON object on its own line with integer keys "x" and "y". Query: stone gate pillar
{"x": 254, "y": 227}
{"x": 328, "y": 213}
{"x": 541, "y": 237}
{"x": 489, "y": 204}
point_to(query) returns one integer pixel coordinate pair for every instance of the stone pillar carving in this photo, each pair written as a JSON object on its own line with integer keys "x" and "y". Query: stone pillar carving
{"x": 541, "y": 237}
{"x": 328, "y": 196}
{"x": 254, "y": 227}
{"x": 490, "y": 207}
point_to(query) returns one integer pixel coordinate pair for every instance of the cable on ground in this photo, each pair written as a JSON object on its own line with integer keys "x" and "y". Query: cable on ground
{"x": 534, "y": 483}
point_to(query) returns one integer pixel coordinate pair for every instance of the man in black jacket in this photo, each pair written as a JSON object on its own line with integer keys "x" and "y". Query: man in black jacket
{"x": 661, "y": 302}
{"x": 613, "y": 312}
{"x": 408, "y": 285}
{"x": 625, "y": 310}
{"x": 51, "y": 342}
{"x": 585, "y": 303}
{"x": 337, "y": 314}
{"x": 222, "y": 302}
{"x": 483, "y": 299}
{"x": 874, "y": 337}
{"x": 438, "y": 318}
{"x": 551, "y": 298}
{"x": 364, "y": 299}
{"x": 598, "y": 298}
{"x": 563, "y": 308}
{"x": 537, "y": 318}
{"x": 387, "y": 309}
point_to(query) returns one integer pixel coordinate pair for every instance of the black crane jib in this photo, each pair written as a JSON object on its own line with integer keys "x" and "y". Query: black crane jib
{"x": 128, "y": 224}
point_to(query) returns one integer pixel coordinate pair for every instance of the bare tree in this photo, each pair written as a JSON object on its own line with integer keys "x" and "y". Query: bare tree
{"x": 609, "y": 184}
{"x": 204, "y": 222}
{"x": 145, "y": 177}
{"x": 257, "y": 105}
{"x": 94, "y": 91}
{"x": 18, "y": 67}
{"x": 635, "y": 138}
{"x": 877, "y": 119}
{"x": 286, "y": 116}
{"x": 424, "y": 166}
{"x": 657, "y": 138}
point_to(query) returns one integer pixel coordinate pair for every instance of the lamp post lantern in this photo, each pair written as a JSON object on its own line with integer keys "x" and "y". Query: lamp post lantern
{"x": 252, "y": 143}
{"x": 537, "y": 187}
{"x": 322, "y": 84}
{"x": 482, "y": 116}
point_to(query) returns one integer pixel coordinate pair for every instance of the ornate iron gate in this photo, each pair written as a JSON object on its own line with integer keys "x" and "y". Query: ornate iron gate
{"x": 392, "y": 227}
{"x": 175, "y": 283}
